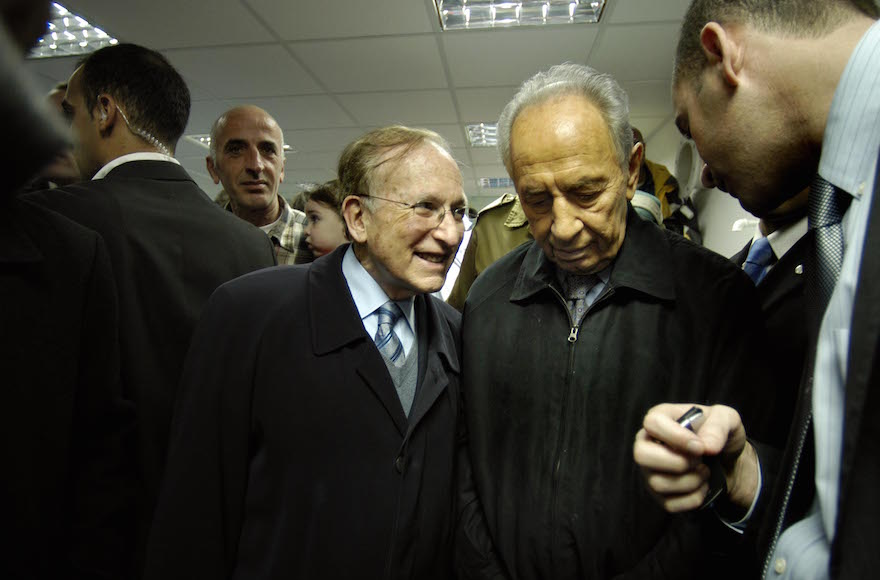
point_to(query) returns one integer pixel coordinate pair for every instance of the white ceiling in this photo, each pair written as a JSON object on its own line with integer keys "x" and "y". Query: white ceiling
{"x": 331, "y": 70}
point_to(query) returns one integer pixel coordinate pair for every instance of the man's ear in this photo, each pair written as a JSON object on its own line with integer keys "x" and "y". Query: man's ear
{"x": 724, "y": 51}
{"x": 635, "y": 166}
{"x": 106, "y": 113}
{"x": 356, "y": 216}
{"x": 212, "y": 171}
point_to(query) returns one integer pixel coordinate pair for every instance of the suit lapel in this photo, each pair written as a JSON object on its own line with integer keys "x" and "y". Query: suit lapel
{"x": 335, "y": 323}
{"x": 436, "y": 353}
{"x": 864, "y": 343}
{"x": 779, "y": 282}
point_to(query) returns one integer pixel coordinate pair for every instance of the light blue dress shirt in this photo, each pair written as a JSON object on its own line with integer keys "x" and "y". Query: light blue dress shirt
{"x": 849, "y": 160}
{"x": 368, "y": 296}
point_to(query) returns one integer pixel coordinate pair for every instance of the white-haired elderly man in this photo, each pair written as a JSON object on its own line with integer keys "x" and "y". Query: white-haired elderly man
{"x": 569, "y": 339}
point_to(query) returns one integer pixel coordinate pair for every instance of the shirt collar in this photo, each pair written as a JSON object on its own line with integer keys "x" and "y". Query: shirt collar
{"x": 140, "y": 156}
{"x": 852, "y": 132}
{"x": 366, "y": 292}
{"x": 783, "y": 239}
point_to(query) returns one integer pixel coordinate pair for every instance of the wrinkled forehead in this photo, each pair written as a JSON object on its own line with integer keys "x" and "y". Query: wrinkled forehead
{"x": 251, "y": 126}
{"x": 426, "y": 170}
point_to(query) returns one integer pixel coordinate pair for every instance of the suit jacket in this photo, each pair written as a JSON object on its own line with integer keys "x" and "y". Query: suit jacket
{"x": 781, "y": 293}
{"x": 854, "y": 551}
{"x": 170, "y": 247}
{"x": 66, "y": 490}
{"x": 291, "y": 455}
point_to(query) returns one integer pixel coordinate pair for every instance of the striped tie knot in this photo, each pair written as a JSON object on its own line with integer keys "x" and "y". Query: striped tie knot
{"x": 759, "y": 258}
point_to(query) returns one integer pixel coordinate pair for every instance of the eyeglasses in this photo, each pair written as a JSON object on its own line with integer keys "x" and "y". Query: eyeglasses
{"x": 434, "y": 213}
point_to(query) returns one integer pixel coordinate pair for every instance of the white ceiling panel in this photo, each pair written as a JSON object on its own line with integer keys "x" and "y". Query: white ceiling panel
{"x": 243, "y": 71}
{"x": 483, "y": 105}
{"x": 325, "y": 161}
{"x": 636, "y": 52}
{"x": 454, "y": 134}
{"x": 649, "y": 98}
{"x": 305, "y": 112}
{"x": 484, "y": 156}
{"x": 375, "y": 64}
{"x": 510, "y": 56}
{"x": 308, "y": 19}
{"x": 162, "y": 24}
{"x": 631, "y": 11}
{"x": 407, "y": 108}
{"x": 321, "y": 140}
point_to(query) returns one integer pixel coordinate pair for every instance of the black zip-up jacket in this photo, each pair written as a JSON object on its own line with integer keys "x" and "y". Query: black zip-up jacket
{"x": 552, "y": 410}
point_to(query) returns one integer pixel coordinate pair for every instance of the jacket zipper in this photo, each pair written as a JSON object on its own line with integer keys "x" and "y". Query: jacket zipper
{"x": 557, "y": 463}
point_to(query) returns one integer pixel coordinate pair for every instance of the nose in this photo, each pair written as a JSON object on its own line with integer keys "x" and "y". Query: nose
{"x": 707, "y": 178}
{"x": 449, "y": 231}
{"x": 566, "y": 221}
{"x": 254, "y": 161}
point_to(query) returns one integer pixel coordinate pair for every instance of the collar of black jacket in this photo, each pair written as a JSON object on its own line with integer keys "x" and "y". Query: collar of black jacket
{"x": 337, "y": 323}
{"x": 643, "y": 264}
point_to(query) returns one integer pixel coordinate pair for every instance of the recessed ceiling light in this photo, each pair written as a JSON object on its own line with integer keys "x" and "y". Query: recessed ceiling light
{"x": 68, "y": 34}
{"x": 483, "y": 134}
{"x": 496, "y": 183}
{"x": 468, "y": 14}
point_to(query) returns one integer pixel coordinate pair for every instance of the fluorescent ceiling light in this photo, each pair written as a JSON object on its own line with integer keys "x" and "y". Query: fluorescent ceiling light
{"x": 483, "y": 134}
{"x": 68, "y": 34}
{"x": 204, "y": 140}
{"x": 457, "y": 14}
{"x": 496, "y": 183}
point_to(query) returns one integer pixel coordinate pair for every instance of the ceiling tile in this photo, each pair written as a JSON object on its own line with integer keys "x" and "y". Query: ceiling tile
{"x": 483, "y": 105}
{"x": 301, "y": 161}
{"x": 374, "y": 64}
{"x": 296, "y": 113}
{"x": 162, "y": 24}
{"x": 649, "y": 98}
{"x": 321, "y": 140}
{"x": 407, "y": 108}
{"x": 646, "y": 11}
{"x": 57, "y": 69}
{"x": 342, "y": 18}
{"x": 510, "y": 56}
{"x": 649, "y": 58}
{"x": 241, "y": 72}
{"x": 486, "y": 156}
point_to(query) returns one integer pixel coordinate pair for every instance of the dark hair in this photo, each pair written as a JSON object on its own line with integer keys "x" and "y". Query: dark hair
{"x": 797, "y": 18}
{"x": 151, "y": 93}
{"x": 326, "y": 193}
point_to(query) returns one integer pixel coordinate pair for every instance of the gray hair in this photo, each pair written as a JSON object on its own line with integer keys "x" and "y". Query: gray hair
{"x": 572, "y": 79}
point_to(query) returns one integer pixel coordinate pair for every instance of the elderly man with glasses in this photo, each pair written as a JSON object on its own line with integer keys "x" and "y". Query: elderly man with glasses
{"x": 316, "y": 433}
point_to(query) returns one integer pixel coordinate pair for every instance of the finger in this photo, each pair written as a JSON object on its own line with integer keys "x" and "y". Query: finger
{"x": 661, "y": 424}
{"x": 649, "y": 453}
{"x": 668, "y": 485}
{"x": 686, "y": 502}
{"x": 722, "y": 430}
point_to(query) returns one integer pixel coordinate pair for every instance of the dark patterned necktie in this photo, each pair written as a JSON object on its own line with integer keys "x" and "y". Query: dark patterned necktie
{"x": 576, "y": 289}
{"x": 386, "y": 340}
{"x": 826, "y": 207}
{"x": 760, "y": 256}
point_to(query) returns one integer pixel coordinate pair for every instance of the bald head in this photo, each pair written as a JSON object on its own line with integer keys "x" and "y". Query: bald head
{"x": 251, "y": 114}
{"x": 247, "y": 157}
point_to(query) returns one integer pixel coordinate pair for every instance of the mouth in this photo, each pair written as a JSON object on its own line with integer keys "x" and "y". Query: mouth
{"x": 255, "y": 184}
{"x": 434, "y": 258}
{"x": 569, "y": 255}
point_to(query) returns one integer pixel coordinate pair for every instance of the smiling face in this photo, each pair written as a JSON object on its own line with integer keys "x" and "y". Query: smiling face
{"x": 249, "y": 163}
{"x": 570, "y": 184}
{"x": 404, "y": 253}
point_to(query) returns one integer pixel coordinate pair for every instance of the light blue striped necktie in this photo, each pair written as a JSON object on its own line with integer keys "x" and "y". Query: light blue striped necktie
{"x": 386, "y": 340}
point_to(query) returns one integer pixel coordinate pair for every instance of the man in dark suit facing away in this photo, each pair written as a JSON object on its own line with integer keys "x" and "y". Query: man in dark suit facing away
{"x": 315, "y": 434}
{"x": 169, "y": 244}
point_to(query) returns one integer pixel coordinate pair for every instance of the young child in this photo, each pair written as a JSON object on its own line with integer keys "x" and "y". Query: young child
{"x": 326, "y": 228}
